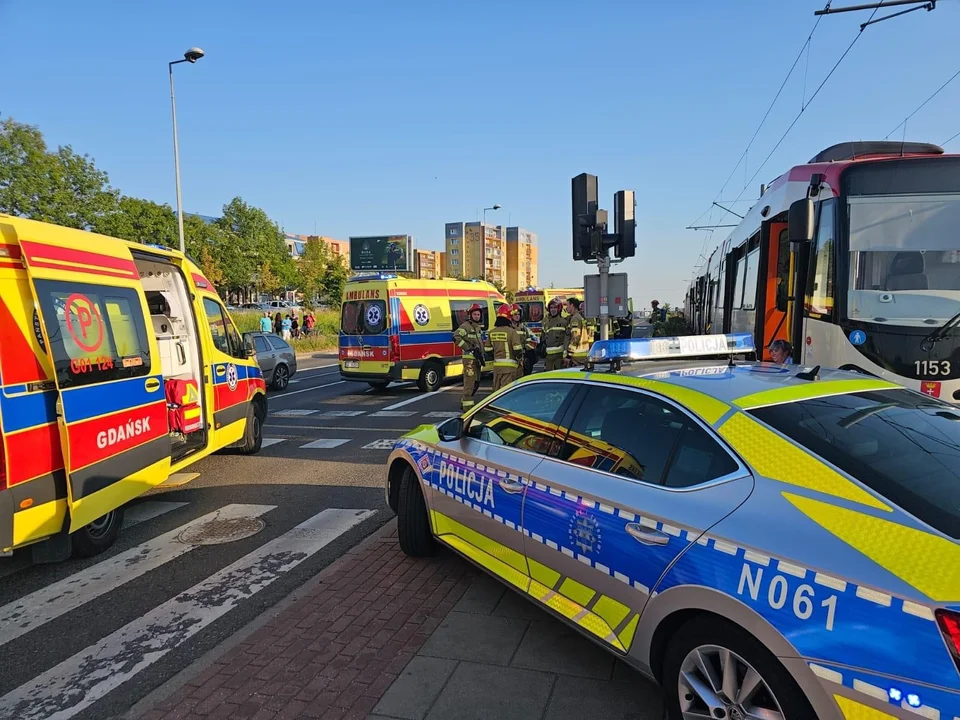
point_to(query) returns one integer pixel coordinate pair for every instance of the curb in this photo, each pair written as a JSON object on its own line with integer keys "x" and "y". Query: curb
{"x": 168, "y": 688}
{"x": 318, "y": 356}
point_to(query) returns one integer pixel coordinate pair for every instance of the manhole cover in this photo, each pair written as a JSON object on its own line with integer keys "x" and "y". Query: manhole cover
{"x": 217, "y": 532}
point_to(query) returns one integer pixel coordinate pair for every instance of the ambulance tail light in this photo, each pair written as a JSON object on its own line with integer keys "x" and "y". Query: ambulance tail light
{"x": 949, "y": 623}
{"x": 394, "y": 348}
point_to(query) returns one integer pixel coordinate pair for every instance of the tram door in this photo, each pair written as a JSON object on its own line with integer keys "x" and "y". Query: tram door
{"x": 776, "y": 289}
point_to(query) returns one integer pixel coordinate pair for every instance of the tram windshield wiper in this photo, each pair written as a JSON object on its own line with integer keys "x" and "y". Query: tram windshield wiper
{"x": 940, "y": 333}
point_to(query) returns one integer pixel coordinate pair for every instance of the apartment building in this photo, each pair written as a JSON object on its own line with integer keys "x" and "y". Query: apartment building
{"x": 522, "y": 262}
{"x": 429, "y": 264}
{"x": 475, "y": 249}
{"x": 296, "y": 244}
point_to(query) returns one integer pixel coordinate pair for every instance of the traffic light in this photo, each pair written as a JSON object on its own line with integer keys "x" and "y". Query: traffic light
{"x": 625, "y": 223}
{"x": 584, "y": 205}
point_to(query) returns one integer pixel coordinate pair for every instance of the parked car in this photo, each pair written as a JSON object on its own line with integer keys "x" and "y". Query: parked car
{"x": 278, "y": 361}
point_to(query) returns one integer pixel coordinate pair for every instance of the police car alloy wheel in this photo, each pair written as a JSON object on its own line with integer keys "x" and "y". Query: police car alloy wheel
{"x": 714, "y": 669}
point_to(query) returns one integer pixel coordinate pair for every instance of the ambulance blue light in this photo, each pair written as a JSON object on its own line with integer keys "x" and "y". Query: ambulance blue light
{"x": 913, "y": 700}
{"x": 660, "y": 348}
{"x": 896, "y": 694}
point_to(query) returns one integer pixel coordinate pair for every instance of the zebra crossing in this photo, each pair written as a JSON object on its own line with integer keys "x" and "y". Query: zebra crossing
{"x": 306, "y": 412}
{"x": 74, "y": 681}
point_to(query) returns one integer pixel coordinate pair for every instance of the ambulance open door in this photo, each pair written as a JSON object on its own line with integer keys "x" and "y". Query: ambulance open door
{"x": 111, "y": 408}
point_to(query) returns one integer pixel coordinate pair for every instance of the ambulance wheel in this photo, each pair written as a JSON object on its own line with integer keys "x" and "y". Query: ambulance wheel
{"x": 253, "y": 438}
{"x": 281, "y": 377}
{"x": 413, "y": 524}
{"x": 431, "y": 375}
{"x": 96, "y": 537}
{"x": 713, "y": 667}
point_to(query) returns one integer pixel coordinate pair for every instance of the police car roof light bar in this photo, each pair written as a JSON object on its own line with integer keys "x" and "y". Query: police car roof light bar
{"x": 616, "y": 352}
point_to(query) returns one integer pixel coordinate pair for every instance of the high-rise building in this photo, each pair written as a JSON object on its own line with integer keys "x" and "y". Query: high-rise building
{"x": 429, "y": 264}
{"x": 522, "y": 262}
{"x": 454, "y": 265}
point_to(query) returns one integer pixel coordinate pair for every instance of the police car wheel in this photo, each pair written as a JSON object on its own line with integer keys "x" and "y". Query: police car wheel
{"x": 413, "y": 525}
{"x": 281, "y": 377}
{"x": 96, "y": 537}
{"x": 713, "y": 668}
{"x": 430, "y": 376}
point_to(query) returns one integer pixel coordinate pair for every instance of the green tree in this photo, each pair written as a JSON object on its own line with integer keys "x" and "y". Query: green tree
{"x": 254, "y": 241}
{"x": 335, "y": 280}
{"x": 59, "y": 187}
{"x": 140, "y": 221}
{"x": 312, "y": 268}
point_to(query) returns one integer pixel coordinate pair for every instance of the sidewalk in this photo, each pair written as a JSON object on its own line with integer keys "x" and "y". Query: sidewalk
{"x": 383, "y": 636}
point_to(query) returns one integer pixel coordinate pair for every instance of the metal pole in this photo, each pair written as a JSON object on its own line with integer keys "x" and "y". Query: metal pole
{"x": 176, "y": 161}
{"x": 603, "y": 265}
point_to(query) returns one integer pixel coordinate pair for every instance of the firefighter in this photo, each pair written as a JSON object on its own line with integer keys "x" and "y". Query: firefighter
{"x": 507, "y": 349}
{"x": 469, "y": 338}
{"x": 555, "y": 335}
{"x": 527, "y": 337}
{"x": 579, "y": 337}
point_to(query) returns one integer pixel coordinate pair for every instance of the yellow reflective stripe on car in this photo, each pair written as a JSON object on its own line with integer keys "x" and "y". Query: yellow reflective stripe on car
{"x": 779, "y": 459}
{"x": 852, "y": 710}
{"x": 926, "y": 561}
{"x": 578, "y": 592}
{"x": 590, "y": 622}
{"x": 542, "y": 574}
{"x": 626, "y": 635}
{"x": 824, "y": 388}
{"x": 610, "y": 610}
{"x": 708, "y": 408}
{"x": 498, "y": 559}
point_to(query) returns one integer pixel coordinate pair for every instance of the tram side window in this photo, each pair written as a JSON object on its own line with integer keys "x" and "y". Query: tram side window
{"x": 820, "y": 280}
{"x": 783, "y": 270}
{"x": 750, "y": 284}
{"x": 738, "y": 284}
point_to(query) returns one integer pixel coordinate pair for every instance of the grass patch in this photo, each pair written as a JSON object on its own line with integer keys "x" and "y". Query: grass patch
{"x": 325, "y": 334}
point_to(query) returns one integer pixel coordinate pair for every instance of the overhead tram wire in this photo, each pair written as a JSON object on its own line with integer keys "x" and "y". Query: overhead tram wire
{"x": 802, "y": 109}
{"x": 903, "y": 123}
{"x": 746, "y": 150}
{"x": 950, "y": 140}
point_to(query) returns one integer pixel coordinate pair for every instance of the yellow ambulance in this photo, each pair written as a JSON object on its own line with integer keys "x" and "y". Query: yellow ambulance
{"x": 533, "y": 304}
{"x": 394, "y": 328}
{"x": 119, "y": 368}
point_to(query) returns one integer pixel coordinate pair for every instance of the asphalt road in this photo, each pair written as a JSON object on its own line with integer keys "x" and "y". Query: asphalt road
{"x": 89, "y": 638}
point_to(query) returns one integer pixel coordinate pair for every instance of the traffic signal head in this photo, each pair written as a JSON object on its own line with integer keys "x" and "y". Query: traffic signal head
{"x": 625, "y": 223}
{"x": 584, "y": 207}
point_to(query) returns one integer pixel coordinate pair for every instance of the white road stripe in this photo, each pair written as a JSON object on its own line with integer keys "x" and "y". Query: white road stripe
{"x": 284, "y": 395}
{"x": 393, "y": 413}
{"x": 385, "y": 444}
{"x": 416, "y": 398}
{"x": 78, "y": 682}
{"x": 324, "y": 444}
{"x": 50, "y": 602}
{"x": 442, "y": 414}
{"x": 267, "y": 442}
{"x": 141, "y": 512}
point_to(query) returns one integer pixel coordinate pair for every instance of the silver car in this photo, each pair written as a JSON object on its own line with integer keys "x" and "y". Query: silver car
{"x": 277, "y": 360}
{"x": 765, "y": 541}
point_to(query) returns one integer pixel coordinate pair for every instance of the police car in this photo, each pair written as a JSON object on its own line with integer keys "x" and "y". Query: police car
{"x": 764, "y": 541}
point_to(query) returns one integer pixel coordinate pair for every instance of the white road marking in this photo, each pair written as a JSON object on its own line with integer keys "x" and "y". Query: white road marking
{"x": 442, "y": 414}
{"x": 296, "y": 412}
{"x": 281, "y": 396}
{"x": 386, "y": 444}
{"x": 50, "y": 602}
{"x": 318, "y": 367}
{"x": 394, "y": 413}
{"x": 267, "y": 442}
{"x": 416, "y": 398}
{"x": 336, "y": 427}
{"x": 323, "y": 444}
{"x": 342, "y": 413}
{"x": 78, "y": 682}
{"x": 141, "y": 512}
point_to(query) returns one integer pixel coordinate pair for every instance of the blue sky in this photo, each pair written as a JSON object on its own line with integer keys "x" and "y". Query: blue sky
{"x": 387, "y": 117}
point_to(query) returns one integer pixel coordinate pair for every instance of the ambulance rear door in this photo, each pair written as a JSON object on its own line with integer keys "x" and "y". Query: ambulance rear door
{"x": 111, "y": 408}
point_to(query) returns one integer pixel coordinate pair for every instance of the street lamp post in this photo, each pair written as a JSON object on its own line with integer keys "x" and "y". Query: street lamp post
{"x": 190, "y": 56}
{"x": 483, "y": 239}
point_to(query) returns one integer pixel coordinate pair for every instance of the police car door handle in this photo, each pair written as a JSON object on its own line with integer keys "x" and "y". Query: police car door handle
{"x": 647, "y": 536}
{"x": 511, "y": 486}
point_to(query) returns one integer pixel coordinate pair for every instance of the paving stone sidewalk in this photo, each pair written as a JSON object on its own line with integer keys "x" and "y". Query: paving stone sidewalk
{"x": 380, "y": 635}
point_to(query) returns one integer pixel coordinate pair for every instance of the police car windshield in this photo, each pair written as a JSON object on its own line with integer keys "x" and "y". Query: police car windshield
{"x": 903, "y": 445}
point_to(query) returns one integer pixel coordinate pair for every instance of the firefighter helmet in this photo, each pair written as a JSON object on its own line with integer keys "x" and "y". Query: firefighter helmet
{"x": 504, "y": 311}
{"x": 476, "y": 307}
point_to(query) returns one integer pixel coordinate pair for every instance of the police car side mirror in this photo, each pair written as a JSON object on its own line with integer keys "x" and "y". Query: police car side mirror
{"x": 451, "y": 430}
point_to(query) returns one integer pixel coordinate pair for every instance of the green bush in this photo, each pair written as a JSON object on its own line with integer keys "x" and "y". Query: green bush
{"x": 324, "y": 336}
{"x": 675, "y": 326}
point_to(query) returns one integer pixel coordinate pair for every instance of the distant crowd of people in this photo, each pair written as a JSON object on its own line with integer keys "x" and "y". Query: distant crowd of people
{"x": 289, "y": 327}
